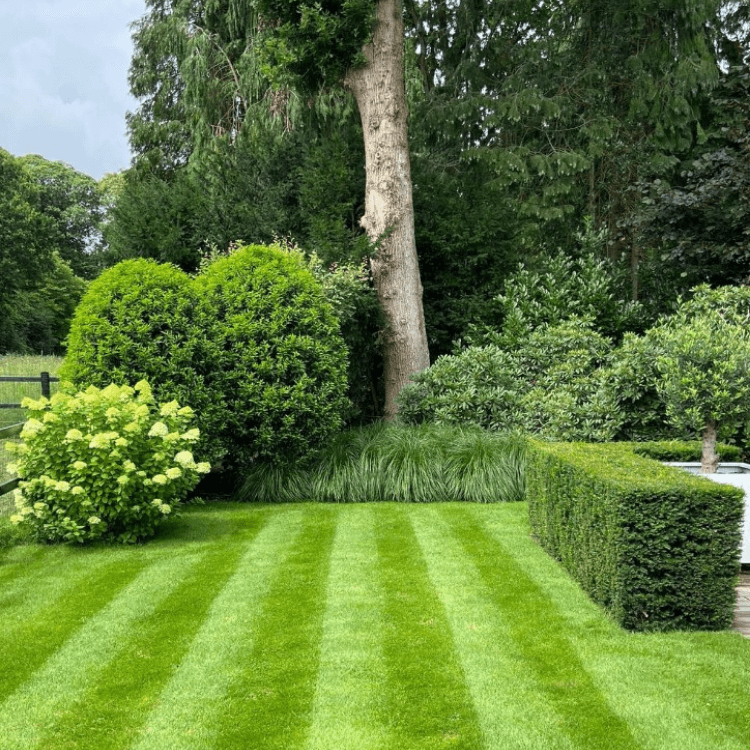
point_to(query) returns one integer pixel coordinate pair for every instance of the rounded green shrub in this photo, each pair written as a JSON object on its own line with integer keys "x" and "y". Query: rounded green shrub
{"x": 274, "y": 354}
{"x": 137, "y": 322}
{"x": 553, "y": 383}
{"x": 103, "y": 464}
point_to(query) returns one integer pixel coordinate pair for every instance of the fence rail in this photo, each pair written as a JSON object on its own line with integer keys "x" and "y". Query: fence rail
{"x": 44, "y": 378}
{"x": 8, "y": 432}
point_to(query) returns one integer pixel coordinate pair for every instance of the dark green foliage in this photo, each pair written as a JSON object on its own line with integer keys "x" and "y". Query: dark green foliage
{"x": 633, "y": 378}
{"x": 24, "y": 252}
{"x": 562, "y": 288}
{"x": 137, "y": 321}
{"x": 658, "y": 548}
{"x": 459, "y": 208}
{"x": 41, "y": 318}
{"x": 349, "y": 289}
{"x": 699, "y": 218}
{"x": 273, "y": 354}
{"x": 158, "y": 218}
{"x": 552, "y": 384}
{"x": 314, "y": 44}
{"x": 73, "y": 203}
{"x": 683, "y": 451}
{"x": 423, "y": 464}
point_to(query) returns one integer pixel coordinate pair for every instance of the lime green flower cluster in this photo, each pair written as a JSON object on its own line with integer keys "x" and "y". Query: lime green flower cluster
{"x": 103, "y": 464}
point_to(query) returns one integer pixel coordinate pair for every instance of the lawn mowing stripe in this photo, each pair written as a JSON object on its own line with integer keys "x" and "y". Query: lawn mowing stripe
{"x": 664, "y": 685}
{"x": 194, "y": 699}
{"x": 40, "y": 577}
{"x": 428, "y": 702}
{"x": 512, "y": 713}
{"x": 269, "y": 705}
{"x": 538, "y": 632}
{"x": 110, "y": 713}
{"x": 673, "y": 699}
{"x": 349, "y": 694}
{"x": 21, "y": 562}
{"x": 33, "y": 708}
{"x": 67, "y": 596}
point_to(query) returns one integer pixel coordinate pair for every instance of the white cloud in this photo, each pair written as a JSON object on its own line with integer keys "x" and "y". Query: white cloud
{"x": 63, "y": 80}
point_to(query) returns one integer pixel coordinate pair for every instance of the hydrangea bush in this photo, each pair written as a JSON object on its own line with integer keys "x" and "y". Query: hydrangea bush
{"x": 103, "y": 464}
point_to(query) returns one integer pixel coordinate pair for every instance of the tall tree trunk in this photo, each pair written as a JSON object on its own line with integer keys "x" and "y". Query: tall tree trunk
{"x": 709, "y": 459}
{"x": 378, "y": 88}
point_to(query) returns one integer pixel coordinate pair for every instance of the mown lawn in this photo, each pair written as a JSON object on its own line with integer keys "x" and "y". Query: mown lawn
{"x": 344, "y": 626}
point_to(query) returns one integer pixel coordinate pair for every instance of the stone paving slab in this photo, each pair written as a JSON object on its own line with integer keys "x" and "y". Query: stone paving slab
{"x": 742, "y": 608}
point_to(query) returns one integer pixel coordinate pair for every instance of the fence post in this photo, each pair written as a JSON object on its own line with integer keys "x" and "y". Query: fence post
{"x": 45, "y": 385}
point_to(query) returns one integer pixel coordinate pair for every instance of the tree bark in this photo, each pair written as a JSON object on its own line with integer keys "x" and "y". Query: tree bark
{"x": 378, "y": 89}
{"x": 709, "y": 459}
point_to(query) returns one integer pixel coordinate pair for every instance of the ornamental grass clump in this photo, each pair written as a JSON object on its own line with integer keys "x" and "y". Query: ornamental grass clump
{"x": 103, "y": 464}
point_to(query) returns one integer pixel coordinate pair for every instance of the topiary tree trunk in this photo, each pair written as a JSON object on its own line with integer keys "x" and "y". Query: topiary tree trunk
{"x": 709, "y": 459}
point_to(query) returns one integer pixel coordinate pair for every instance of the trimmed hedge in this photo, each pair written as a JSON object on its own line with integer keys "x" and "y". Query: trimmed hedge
{"x": 681, "y": 450}
{"x": 655, "y": 546}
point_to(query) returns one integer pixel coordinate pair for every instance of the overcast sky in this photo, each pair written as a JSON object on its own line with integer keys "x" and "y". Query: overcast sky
{"x": 63, "y": 80}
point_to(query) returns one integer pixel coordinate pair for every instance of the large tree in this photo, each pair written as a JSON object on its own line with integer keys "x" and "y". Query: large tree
{"x": 73, "y": 202}
{"x": 360, "y": 42}
{"x": 243, "y": 62}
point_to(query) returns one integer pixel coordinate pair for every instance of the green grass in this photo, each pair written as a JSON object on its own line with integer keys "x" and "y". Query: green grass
{"x": 322, "y": 627}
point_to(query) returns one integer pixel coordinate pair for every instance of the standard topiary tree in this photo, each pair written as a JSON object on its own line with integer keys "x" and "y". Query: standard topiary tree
{"x": 705, "y": 377}
{"x": 137, "y": 322}
{"x": 274, "y": 353}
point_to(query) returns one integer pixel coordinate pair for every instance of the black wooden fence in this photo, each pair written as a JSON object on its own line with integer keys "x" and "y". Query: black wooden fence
{"x": 44, "y": 379}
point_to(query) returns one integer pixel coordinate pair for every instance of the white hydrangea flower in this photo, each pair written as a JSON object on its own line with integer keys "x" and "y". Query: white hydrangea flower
{"x": 174, "y": 473}
{"x": 123, "y": 479}
{"x": 77, "y": 490}
{"x": 156, "y": 501}
{"x": 185, "y": 458}
{"x": 142, "y": 387}
{"x": 31, "y": 428}
{"x": 80, "y": 465}
{"x": 159, "y": 479}
{"x": 169, "y": 409}
{"x": 203, "y": 467}
{"x": 103, "y": 439}
{"x": 62, "y": 486}
{"x": 11, "y": 468}
{"x": 40, "y": 506}
{"x": 165, "y": 509}
{"x": 121, "y": 442}
{"x": 191, "y": 435}
{"x": 159, "y": 429}
{"x": 94, "y": 520}
{"x": 73, "y": 435}
{"x": 50, "y": 417}
{"x": 131, "y": 427}
{"x": 112, "y": 413}
{"x": 16, "y": 519}
{"x": 186, "y": 411}
{"x": 142, "y": 410}
{"x": 129, "y": 466}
